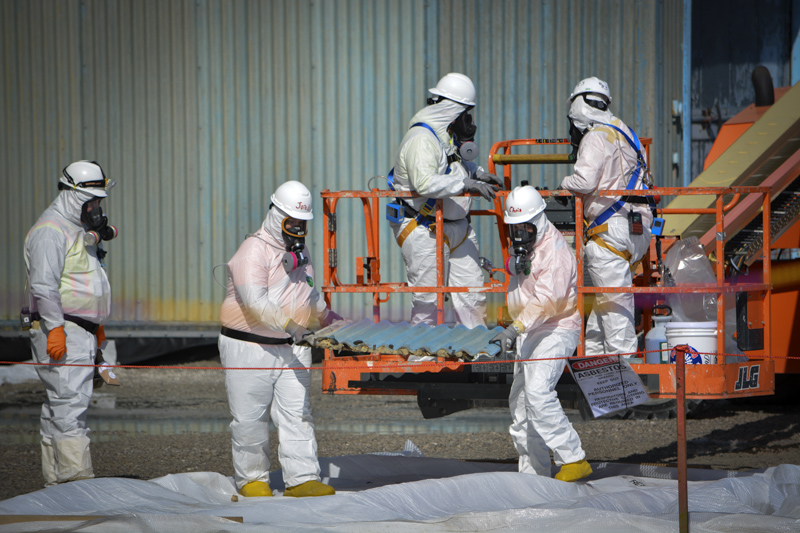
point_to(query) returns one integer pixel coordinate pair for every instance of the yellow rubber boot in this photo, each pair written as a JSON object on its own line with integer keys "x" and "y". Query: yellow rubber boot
{"x": 574, "y": 471}
{"x": 310, "y": 488}
{"x": 256, "y": 489}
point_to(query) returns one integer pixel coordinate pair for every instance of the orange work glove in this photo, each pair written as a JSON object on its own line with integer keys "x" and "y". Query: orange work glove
{"x": 57, "y": 343}
{"x": 101, "y": 335}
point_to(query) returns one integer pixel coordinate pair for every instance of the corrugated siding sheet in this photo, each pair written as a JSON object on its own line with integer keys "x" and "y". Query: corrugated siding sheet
{"x": 200, "y": 108}
{"x": 364, "y": 336}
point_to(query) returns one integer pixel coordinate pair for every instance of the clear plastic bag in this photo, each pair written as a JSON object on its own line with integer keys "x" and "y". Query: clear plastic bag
{"x": 688, "y": 265}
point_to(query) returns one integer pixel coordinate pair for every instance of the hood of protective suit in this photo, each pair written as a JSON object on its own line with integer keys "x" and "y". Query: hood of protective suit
{"x": 543, "y": 229}
{"x": 582, "y": 114}
{"x": 543, "y": 226}
{"x": 68, "y": 204}
{"x": 273, "y": 232}
{"x": 439, "y": 117}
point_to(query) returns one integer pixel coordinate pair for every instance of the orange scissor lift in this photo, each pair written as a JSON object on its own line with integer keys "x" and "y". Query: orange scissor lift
{"x": 451, "y": 378}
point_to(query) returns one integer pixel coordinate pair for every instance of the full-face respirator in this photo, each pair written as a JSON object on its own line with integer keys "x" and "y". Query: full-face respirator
{"x": 294, "y": 233}
{"x": 578, "y": 109}
{"x": 523, "y": 237}
{"x": 464, "y": 129}
{"x": 97, "y": 227}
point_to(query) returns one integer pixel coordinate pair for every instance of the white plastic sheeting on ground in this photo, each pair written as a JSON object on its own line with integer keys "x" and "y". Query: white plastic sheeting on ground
{"x": 410, "y": 493}
{"x": 18, "y": 373}
{"x": 27, "y": 372}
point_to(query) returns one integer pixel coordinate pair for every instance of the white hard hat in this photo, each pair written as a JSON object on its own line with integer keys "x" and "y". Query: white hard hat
{"x": 523, "y": 204}
{"x": 456, "y": 87}
{"x": 85, "y": 176}
{"x": 294, "y": 199}
{"x": 591, "y": 85}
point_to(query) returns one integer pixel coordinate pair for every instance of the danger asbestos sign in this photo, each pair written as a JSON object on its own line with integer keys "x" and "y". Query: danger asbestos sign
{"x": 608, "y": 383}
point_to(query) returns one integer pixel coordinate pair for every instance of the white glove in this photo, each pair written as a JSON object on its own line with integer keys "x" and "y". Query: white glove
{"x": 296, "y": 331}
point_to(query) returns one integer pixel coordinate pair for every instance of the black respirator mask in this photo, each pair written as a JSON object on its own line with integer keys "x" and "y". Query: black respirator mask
{"x": 294, "y": 233}
{"x": 523, "y": 237}
{"x": 97, "y": 226}
{"x": 463, "y": 129}
{"x": 575, "y": 138}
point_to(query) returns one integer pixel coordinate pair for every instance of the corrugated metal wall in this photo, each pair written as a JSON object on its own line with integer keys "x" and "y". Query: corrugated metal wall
{"x": 200, "y": 108}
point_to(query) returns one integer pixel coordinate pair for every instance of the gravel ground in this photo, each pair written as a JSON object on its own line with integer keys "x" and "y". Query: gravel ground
{"x": 170, "y": 421}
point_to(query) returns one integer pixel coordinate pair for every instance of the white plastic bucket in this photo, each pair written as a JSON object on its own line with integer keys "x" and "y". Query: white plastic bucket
{"x": 701, "y": 337}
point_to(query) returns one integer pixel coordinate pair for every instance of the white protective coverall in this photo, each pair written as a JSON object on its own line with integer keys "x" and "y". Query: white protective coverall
{"x": 605, "y": 162}
{"x": 65, "y": 277}
{"x": 261, "y": 298}
{"x": 421, "y": 166}
{"x": 545, "y": 302}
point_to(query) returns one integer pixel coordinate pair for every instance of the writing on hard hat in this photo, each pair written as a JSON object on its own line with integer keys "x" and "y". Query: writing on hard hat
{"x": 294, "y": 199}
{"x": 592, "y": 87}
{"x": 522, "y": 205}
{"x": 86, "y": 176}
{"x": 456, "y": 87}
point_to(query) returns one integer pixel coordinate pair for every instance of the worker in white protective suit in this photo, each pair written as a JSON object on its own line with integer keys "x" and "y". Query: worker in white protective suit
{"x": 69, "y": 300}
{"x": 610, "y": 157}
{"x": 434, "y": 161}
{"x": 270, "y": 302}
{"x": 542, "y": 300}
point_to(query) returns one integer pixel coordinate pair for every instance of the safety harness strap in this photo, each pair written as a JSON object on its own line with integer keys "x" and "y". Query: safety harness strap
{"x": 406, "y": 232}
{"x": 413, "y": 225}
{"x": 426, "y": 126}
{"x": 390, "y": 177}
{"x": 619, "y": 204}
{"x": 459, "y": 244}
{"x": 594, "y": 231}
{"x": 426, "y": 212}
{"x": 626, "y": 255}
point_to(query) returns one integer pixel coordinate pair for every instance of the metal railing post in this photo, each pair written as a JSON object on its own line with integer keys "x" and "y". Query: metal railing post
{"x": 579, "y": 258}
{"x": 439, "y": 262}
{"x": 766, "y": 261}
{"x": 327, "y": 237}
{"x": 680, "y": 393}
{"x": 720, "y": 278}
